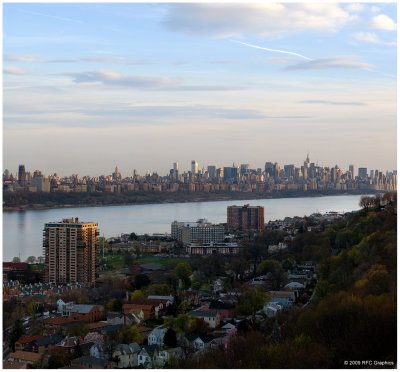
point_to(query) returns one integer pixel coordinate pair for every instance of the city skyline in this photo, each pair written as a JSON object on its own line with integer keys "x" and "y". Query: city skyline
{"x": 91, "y": 86}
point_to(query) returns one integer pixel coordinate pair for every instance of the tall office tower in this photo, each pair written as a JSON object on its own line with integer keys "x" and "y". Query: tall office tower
{"x": 69, "y": 248}
{"x": 21, "y": 175}
{"x": 269, "y": 169}
{"x": 245, "y": 218}
{"x": 351, "y": 170}
{"x": 195, "y": 167}
{"x": 175, "y": 170}
{"x": 307, "y": 162}
{"x": 244, "y": 168}
{"x": 362, "y": 173}
{"x": 212, "y": 171}
{"x": 289, "y": 170}
{"x": 231, "y": 174}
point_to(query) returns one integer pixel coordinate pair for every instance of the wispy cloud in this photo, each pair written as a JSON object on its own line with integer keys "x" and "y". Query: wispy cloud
{"x": 230, "y": 20}
{"x": 58, "y": 18}
{"x": 373, "y": 38}
{"x": 114, "y": 78}
{"x": 334, "y": 103}
{"x": 355, "y": 7}
{"x": 331, "y": 63}
{"x": 272, "y": 50}
{"x": 383, "y": 22}
{"x": 21, "y": 58}
{"x": 13, "y": 70}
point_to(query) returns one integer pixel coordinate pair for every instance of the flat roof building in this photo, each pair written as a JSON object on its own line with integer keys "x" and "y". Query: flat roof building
{"x": 69, "y": 247}
{"x": 245, "y": 218}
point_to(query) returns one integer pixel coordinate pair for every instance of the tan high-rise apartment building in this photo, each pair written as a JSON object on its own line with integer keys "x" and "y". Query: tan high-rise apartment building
{"x": 69, "y": 247}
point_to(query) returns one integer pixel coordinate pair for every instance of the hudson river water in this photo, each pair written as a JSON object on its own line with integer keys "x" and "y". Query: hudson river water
{"x": 22, "y": 231}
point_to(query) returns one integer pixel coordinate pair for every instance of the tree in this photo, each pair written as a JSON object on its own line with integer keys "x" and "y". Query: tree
{"x": 141, "y": 280}
{"x": 16, "y": 333}
{"x": 183, "y": 271}
{"x": 114, "y": 304}
{"x": 136, "y": 295}
{"x": 252, "y": 300}
{"x": 128, "y": 258}
{"x": 128, "y": 334}
{"x": 31, "y": 259}
{"x": 170, "y": 338}
{"x": 16, "y": 260}
{"x": 133, "y": 236}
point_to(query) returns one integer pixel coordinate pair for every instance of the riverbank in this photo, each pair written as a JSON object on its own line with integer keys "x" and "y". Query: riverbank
{"x": 31, "y": 201}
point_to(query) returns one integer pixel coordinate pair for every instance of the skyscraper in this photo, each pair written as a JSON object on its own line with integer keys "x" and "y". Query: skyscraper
{"x": 175, "y": 171}
{"x": 69, "y": 247}
{"x": 351, "y": 171}
{"x": 21, "y": 175}
{"x": 195, "y": 167}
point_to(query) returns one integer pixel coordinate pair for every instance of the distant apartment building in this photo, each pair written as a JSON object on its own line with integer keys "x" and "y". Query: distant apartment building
{"x": 245, "y": 218}
{"x": 201, "y": 231}
{"x": 69, "y": 247}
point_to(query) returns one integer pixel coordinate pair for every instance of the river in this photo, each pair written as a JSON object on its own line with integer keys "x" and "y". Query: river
{"x": 22, "y": 230}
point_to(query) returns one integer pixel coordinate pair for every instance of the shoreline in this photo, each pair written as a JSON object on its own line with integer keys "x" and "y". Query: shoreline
{"x": 203, "y": 198}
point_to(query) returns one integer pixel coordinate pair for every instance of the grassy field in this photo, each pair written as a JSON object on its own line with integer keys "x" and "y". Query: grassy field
{"x": 116, "y": 261}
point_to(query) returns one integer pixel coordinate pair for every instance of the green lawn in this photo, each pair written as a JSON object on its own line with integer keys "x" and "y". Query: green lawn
{"x": 116, "y": 261}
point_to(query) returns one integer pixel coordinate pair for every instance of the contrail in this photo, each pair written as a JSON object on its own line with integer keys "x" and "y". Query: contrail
{"x": 272, "y": 50}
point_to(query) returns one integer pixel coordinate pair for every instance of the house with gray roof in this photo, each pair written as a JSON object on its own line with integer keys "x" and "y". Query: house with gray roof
{"x": 126, "y": 355}
{"x": 211, "y": 317}
{"x": 156, "y": 336}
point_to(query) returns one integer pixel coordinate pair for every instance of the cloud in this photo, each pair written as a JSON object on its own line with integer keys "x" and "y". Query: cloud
{"x": 272, "y": 50}
{"x": 355, "y": 7}
{"x": 331, "y": 63}
{"x": 371, "y": 37}
{"x": 375, "y": 9}
{"x": 383, "y": 22}
{"x": 116, "y": 78}
{"x": 334, "y": 103}
{"x": 21, "y": 58}
{"x": 13, "y": 70}
{"x": 57, "y": 18}
{"x": 108, "y": 77}
{"x": 265, "y": 19}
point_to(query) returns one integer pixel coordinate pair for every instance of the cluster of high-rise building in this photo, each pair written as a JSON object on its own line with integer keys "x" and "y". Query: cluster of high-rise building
{"x": 243, "y": 178}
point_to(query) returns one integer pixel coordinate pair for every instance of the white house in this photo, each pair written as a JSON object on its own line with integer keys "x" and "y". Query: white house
{"x": 126, "y": 355}
{"x": 211, "y": 317}
{"x": 156, "y": 336}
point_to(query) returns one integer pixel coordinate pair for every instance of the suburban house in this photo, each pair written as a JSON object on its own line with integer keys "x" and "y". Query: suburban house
{"x": 47, "y": 343}
{"x": 283, "y": 298}
{"x": 200, "y": 342}
{"x": 26, "y": 358}
{"x": 126, "y": 355}
{"x": 225, "y": 310}
{"x": 211, "y": 317}
{"x": 156, "y": 336}
{"x": 89, "y": 362}
{"x": 271, "y": 309}
{"x": 26, "y": 343}
{"x": 161, "y": 357}
{"x": 147, "y": 309}
{"x": 145, "y": 356}
{"x": 88, "y": 313}
{"x": 160, "y": 305}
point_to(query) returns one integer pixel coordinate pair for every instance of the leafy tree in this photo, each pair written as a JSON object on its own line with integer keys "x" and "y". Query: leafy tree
{"x": 31, "y": 259}
{"x": 128, "y": 258}
{"x": 183, "y": 271}
{"x": 252, "y": 300}
{"x": 133, "y": 236}
{"x": 128, "y": 334}
{"x": 16, "y": 260}
{"x": 170, "y": 338}
{"x": 55, "y": 362}
{"x": 16, "y": 333}
{"x": 141, "y": 280}
{"x": 114, "y": 304}
{"x": 136, "y": 295}
{"x": 159, "y": 289}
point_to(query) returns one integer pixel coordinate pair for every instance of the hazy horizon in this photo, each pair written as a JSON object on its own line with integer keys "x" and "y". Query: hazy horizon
{"x": 90, "y": 86}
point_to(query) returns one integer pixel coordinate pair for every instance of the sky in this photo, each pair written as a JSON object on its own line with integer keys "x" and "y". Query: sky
{"x": 88, "y": 86}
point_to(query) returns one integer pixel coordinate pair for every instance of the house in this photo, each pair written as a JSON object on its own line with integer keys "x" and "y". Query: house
{"x": 69, "y": 346}
{"x": 26, "y": 343}
{"x": 88, "y": 313}
{"x": 161, "y": 357}
{"x": 97, "y": 351}
{"x": 221, "y": 342}
{"x": 200, "y": 342}
{"x": 126, "y": 355}
{"x": 169, "y": 299}
{"x": 47, "y": 343}
{"x": 211, "y": 317}
{"x": 60, "y": 325}
{"x": 160, "y": 305}
{"x": 295, "y": 286}
{"x": 283, "y": 298}
{"x": 225, "y": 309}
{"x": 147, "y": 309}
{"x": 89, "y": 362}
{"x": 229, "y": 329}
{"x": 94, "y": 337}
{"x": 145, "y": 356}
{"x": 156, "y": 336}
{"x": 135, "y": 317}
{"x": 26, "y": 357}
{"x": 271, "y": 309}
